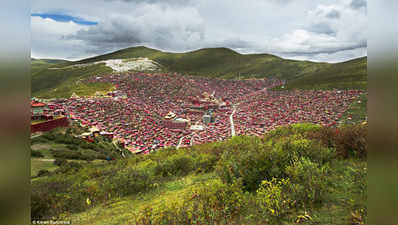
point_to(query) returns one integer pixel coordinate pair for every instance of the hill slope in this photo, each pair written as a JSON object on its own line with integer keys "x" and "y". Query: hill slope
{"x": 42, "y": 64}
{"x": 215, "y": 62}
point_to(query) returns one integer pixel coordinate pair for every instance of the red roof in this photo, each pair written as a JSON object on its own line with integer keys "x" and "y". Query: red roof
{"x": 37, "y": 104}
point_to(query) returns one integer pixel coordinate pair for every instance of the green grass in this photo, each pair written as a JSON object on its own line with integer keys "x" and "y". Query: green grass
{"x": 357, "y": 111}
{"x": 39, "y": 65}
{"x": 120, "y": 211}
{"x": 347, "y": 75}
{"x": 210, "y": 62}
{"x": 37, "y": 164}
{"x": 52, "y": 83}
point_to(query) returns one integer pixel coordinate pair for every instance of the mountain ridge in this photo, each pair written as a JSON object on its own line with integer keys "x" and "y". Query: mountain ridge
{"x": 209, "y": 62}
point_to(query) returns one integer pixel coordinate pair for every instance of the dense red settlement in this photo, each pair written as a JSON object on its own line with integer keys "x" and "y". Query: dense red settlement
{"x": 143, "y": 107}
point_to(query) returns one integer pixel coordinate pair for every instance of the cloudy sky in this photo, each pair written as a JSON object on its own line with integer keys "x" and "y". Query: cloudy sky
{"x": 322, "y": 30}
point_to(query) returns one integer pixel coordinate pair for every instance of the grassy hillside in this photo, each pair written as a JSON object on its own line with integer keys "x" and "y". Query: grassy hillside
{"x": 217, "y": 62}
{"x": 351, "y": 74}
{"x": 213, "y": 62}
{"x": 298, "y": 174}
{"x": 62, "y": 82}
{"x": 38, "y": 65}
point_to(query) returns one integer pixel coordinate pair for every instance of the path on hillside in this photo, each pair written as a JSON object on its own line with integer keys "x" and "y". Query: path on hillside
{"x": 117, "y": 147}
{"x": 231, "y": 120}
{"x": 44, "y": 160}
{"x": 35, "y": 136}
{"x": 231, "y": 117}
{"x": 180, "y": 141}
{"x": 192, "y": 138}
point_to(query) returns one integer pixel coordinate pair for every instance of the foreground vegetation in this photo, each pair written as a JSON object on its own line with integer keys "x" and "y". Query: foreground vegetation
{"x": 60, "y": 150}
{"x": 62, "y": 79}
{"x": 298, "y": 174}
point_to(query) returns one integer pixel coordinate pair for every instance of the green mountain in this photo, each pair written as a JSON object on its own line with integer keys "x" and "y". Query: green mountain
{"x": 210, "y": 62}
{"x": 38, "y": 65}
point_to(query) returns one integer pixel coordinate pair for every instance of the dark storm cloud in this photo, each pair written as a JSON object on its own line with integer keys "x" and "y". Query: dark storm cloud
{"x": 157, "y": 28}
{"x": 334, "y": 14}
{"x": 357, "y": 4}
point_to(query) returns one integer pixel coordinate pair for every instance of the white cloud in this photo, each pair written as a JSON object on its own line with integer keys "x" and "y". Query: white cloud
{"x": 303, "y": 28}
{"x": 47, "y": 37}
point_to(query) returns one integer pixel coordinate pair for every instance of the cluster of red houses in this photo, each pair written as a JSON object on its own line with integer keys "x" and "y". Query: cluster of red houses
{"x": 267, "y": 110}
{"x": 151, "y": 111}
{"x": 45, "y": 117}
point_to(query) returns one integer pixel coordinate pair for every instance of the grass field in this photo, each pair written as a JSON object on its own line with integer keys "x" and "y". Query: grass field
{"x": 37, "y": 164}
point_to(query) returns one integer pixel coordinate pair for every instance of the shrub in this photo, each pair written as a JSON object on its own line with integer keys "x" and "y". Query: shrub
{"x": 73, "y": 147}
{"x": 299, "y": 128}
{"x": 35, "y": 153}
{"x": 39, "y": 139}
{"x": 246, "y": 159}
{"x": 42, "y": 173}
{"x": 69, "y": 154}
{"x": 312, "y": 181}
{"x": 45, "y": 199}
{"x": 254, "y": 161}
{"x": 273, "y": 199}
{"x": 349, "y": 141}
{"x": 49, "y": 135}
{"x": 126, "y": 182}
{"x": 205, "y": 162}
{"x": 59, "y": 161}
{"x": 69, "y": 167}
{"x": 175, "y": 165}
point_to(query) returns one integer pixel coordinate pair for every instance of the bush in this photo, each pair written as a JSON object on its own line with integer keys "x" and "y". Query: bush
{"x": 126, "y": 182}
{"x": 35, "y": 153}
{"x": 60, "y": 161}
{"x": 205, "y": 162}
{"x": 69, "y": 167}
{"x": 39, "y": 139}
{"x": 299, "y": 128}
{"x": 49, "y": 135}
{"x": 255, "y": 161}
{"x": 42, "y": 173}
{"x": 273, "y": 199}
{"x": 313, "y": 183}
{"x": 46, "y": 200}
{"x": 247, "y": 159}
{"x": 73, "y": 147}
{"x": 175, "y": 165}
{"x": 69, "y": 154}
{"x": 349, "y": 141}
